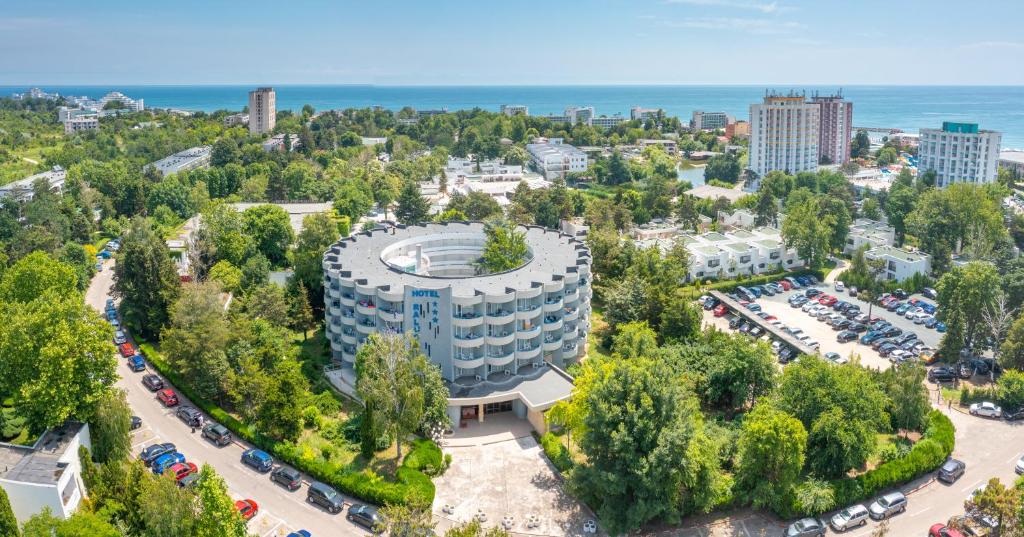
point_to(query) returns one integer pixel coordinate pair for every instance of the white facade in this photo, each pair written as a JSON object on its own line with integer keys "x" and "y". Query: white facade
{"x": 262, "y": 110}
{"x": 182, "y": 161}
{"x": 959, "y": 153}
{"x": 738, "y": 219}
{"x": 784, "y": 135}
{"x": 22, "y": 189}
{"x": 607, "y": 122}
{"x": 644, "y": 114}
{"x": 870, "y": 233}
{"x": 236, "y": 119}
{"x": 670, "y": 146}
{"x": 515, "y": 110}
{"x": 900, "y": 264}
{"x": 580, "y": 114}
{"x": 47, "y": 474}
{"x": 702, "y": 120}
{"x": 132, "y": 105}
{"x": 727, "y": 255}
{"x": 555, "y": 158}
{"x": 81, "y": 123}
{"x": 276, "y": 142}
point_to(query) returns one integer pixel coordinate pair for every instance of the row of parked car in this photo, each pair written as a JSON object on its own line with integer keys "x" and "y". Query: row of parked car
{"x": 916, "y": 310}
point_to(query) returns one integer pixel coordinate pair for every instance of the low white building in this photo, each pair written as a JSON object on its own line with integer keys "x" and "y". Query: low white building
{"x": 491, "y": 177}
{"x": 738, "y": 219}
{"x": 24, "y": 189}
{"x": 182, "y": 161}
{"x": 644, "y": 114}
{"x": 900, "y": 264}
{"x": 372, "y": 141}
{"x": 81, "y": 123}
{"x": 277, "y": 143}
{"x": 515, "y": 110}
{"x": 717, "y": 255}
{"x": 554, "y": 158}
{"x": 607, "y": 122}
{"x": 46, "y": 474}
{"x": 235, "y": 120}
{"x": 670, "y": 146}
{"x": 870, "y": 233}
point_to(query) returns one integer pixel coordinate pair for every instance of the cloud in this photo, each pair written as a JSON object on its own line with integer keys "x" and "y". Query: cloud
{"x": 763, "y": 7}
{"x": 754, "y": 26}
{"x": 994, "y": 44}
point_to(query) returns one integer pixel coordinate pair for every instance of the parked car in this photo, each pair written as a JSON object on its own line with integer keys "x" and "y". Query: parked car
{"x": 167, "y": 397}
{"x": 839, "y": 286}
{"x": 721, "y": 310}
{"x": 942, "y": 374}
{"x": 325, "y": 496}
{"x": 217, "y": 433}
{"x": 364, "y": 515}
{"x": 828, "y": 300}
{"x": 135, "y": 423}
{"x": 785, "y": 284}
{"x": 189, "y": 415}
{"x": 165, "y": 461}
{"x": 119, "y": 337}
{"x": 1019, "y": 468}
{"x": 289, "y": 478}
{"x": 940, "y": 327}
{"x": 247, "y": 508}
{"x": 892, "y": 331}
{"x": 853, "y": 516}
{"x": 951, "y": 470}
{"x": 886, "y": 349}
{"x": 857, "y": 327}
{"x": 888, "y": 505}
{"x": 870, "y": 336}
{"x": 841, "y": 324}
{"x": 812, "y": 292}
{"x": 151, "y": 453}
{"x": 986, "y": 409}
{"x": 181, "y": 470}
{"x": 136, "y": 363}
{"x": 846, "y": 336}
{"x": 901, "y": 294}
{"x": 811, "y": 343}
{"x": 930, "y": 293}
{"x": 734, "y": 322}
{"x": 931, "y": 322}
{"x": 153, "y": 382}
{"x": 189, "y": 481}
{"x": 942, "y": 530}
{"x": 258, "y": 459}
{"x": 126, "y": 350}
{"x": 806, "y": 527}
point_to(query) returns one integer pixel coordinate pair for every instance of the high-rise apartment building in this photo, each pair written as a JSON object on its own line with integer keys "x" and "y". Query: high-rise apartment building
{"x": 959, "y": 153}
{"x": 702, "y": 120}
{"x": 784, "y": 134}
{"x": 834, "y": 129}
{"x": 262, "y": 110}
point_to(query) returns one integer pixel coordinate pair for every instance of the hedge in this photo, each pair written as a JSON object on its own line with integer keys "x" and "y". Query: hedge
{"x": 412, "y": 485}
{"x": 556, "y": 452}
{"x": 929, "y": 453}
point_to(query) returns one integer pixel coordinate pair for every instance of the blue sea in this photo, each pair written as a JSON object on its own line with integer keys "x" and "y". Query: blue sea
{"x": 909, "y": 108}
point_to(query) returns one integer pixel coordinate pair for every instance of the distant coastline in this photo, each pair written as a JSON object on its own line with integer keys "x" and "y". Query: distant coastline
{"x": 909, "y": 108}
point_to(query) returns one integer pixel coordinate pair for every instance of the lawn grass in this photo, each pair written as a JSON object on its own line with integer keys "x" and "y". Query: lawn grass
{"x": 597, "y": 331}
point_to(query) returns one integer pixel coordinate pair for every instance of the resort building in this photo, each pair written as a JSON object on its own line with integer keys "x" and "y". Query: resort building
{"x": 718, "y": 255}
{"x": 24, "y": 189}
{"x": 959, "y": 153}
{"x": 784, "y": 134}
{"x": 835, "y": 126}
{"x": 124, "y": 103}
{"x": 607, "y": 122}
{"x": 738, "y": 128}
{"x": 235, "y": 120}
{"x": 281, "y": 142}
{"x": 579, "y": 114}
{"x": 515, "y": 110}
{"x": 46, "y": 474}
{"x": 183, "y": 161}
{"x": 81, "y": 123}
{"x": 262, "y": 110}
{"x": 500, "y": 340}
{"x": 704, "y": 121}
{"x": 738, "y": 219}
{"x": 645, "y": 114}
{"x": 554, "y": 158}
{"x": 900, "y": 264}
{"x": 1012, "y": 160}
{"x": 870, "y": 233}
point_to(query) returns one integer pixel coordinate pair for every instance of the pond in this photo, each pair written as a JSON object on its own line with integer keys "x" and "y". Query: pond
{"x": 694, "y": 175}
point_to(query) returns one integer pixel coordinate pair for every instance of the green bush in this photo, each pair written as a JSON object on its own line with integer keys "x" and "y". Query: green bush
{"x": 726, "y": 286}
{"x": 977, "y": 395}
{"x": 411, "y": 485}
{"x": 556, "y": 452}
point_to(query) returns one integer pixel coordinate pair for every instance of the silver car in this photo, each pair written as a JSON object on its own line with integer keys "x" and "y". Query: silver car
{"x": 855, "y": 515}
{"x": 888, "y": 505}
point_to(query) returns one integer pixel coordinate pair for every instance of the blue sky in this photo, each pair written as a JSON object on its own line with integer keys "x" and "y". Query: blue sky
{"x": 513, "y": 42}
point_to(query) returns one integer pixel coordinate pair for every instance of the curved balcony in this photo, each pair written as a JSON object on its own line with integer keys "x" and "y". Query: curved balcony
{"x": 468, "y": 320}
{"x": 529, "y": 293}
{"x": 500, "y": 360}
{"x": 528, "y": 333}
{"x": 470, "y": 300}
{"x": 469, "y": 341}
{"x": 390, "y": 316}
{"x": 501, "y": 316}
{"x": 349, "y": 357}
{"x": 571, "y": 314}
{"x": 554, "y": 287}
{"x": 551, "y": 326}
{"x": 366, "y": 329}
{"x": 499, "y": 298}
{"x": 469, "y": 363}
{"x": 552, "y": 345}
{"x": 336, "y": 345}
{"x": 569, "y": 353}
{"x": 366, "y": 290}
{"x": 526, "y": 354}
{"x": 349, "y": 300}
{"x": 571, "y": 296}
{"x": 366, "y": 308}
{"x": 553, "y": 305}
{"x": 393, "y": 295}
{"x": 571, "y": 278}
{"x": 529, "y": 313}
{"x": 333, "y": 292}
{"x": 501, "y": 338}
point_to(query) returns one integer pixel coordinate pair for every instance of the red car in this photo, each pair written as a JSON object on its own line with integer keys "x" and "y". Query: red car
{"x": 828, "y": 300}
{"x": 167, "y": 397}
{"x": 181, "y": 470}
{"x": 127, "y": 350}
{"x": 942, "y": 530}
{"x": 721, "y": 310}
{"x": 786, "y": 286}
{"x": 247, "y": 508}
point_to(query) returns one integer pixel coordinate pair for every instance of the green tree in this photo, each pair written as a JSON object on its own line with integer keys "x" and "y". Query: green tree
{"x": 166, "y": 510}
{"x": 805, "y": 230}
{"x": 255, "y": 272}
{"x": 317, "y": 235}
{"x": 965, "y": 293}
{"x": 197, "y": 337}
{"x": 871, "y": 210}
{"x": 999, "y": 502}
{"x": 45, "y": 524}
{"x": 860, "y": 147}
{"x": 838, "y": 442}
{"x": 302, "y": 318}
{"x": 35, "y": 275}
{"x": 887, "y": 156}
{"x": 898, "y": 205}
{"x": 681, "y": 319}
{"x": 271, "y": 230}
{"x": 267, "y": 302}
{"x": 8, "y": 524}
{"x": 228, "y": 276}
{"x": 217, "y": 514}
{"x": 473, "y": 528}
{"x": 146, "y": 280}
{"x": 723, "y": 167}
{"x": 770, "y": 456}
{"x": 405, "y": 520}
{"x": 767, "y": 212}
{"x": 389, "y": 376}
{"x": 281, "y": 414}
{"x": 1010, "y": 389}
{"x": 1011, "y": 353}
{"x": 504, "y": 248}
{"x": 633, "y": 340}
{"x": 905, "y": 387}
{"x": 412, "y": 207}
{"x": 478, "y": 206}
{"x": 110, "y": 427}
{"x": 815, "y": 496}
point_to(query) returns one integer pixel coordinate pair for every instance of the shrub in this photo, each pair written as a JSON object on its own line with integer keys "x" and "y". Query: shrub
{"x": 556, "y": 452}
{"x": 411, "y": 485}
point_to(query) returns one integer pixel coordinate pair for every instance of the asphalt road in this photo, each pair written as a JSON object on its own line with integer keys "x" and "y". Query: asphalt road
{"x": 280, "y": 511}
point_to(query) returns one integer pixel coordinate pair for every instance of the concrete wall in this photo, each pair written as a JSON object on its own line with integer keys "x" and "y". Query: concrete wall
{"x": 536, "y": 418}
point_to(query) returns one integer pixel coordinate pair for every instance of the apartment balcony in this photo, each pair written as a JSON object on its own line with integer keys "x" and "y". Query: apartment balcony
{"x": 500, "y": 359}
{"x": 526, "y": 354}
{"x": 551, "y": 344}
{"x": 500, "y": 316}
{"x": 571, "y": 314}
{"x": 528, "y": 333}
{"x": 468, "y": 320}
{"x": 365, "y": 328}
{"x": 347, "y": 299}
{"x": 467, "y": 341}
{"x": 552, "y": 325}
{"x": 571, "y": 296}
{"x": 552, "y": 305}
{"x": 391, "y": 316}
{"x": 366, "y": 307}
{"x": 469, "y": 362}
{"x": 500, "y": 338}
{"x": 529, "y": 312}
{"x": 349, "y": 357}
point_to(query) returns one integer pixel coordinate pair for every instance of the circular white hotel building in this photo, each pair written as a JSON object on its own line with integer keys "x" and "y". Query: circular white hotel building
{"x": 494, "y": 336}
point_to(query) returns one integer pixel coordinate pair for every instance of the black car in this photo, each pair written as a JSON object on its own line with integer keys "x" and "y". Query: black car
{"x": 909, "y": 345}
{"x": 886, "y": 349}
{"x": 755, "y": 331}
{"x": 153, "y": 382}
{"x": 710, "y": 303}
{"x": 812, "y": 292}
{"x": 364, "y": 515}
{"x": 217, "y": 433}
{"x": 325, "y": 496}
{"x": 851, "y": 313}
{"x": 841, "y": 324}
{"x": 151, "y": 453}
{"x": 942, "y": 374}
{"x": 189, "y": 481}
{"x": 877, "y": 344}
{"x": 900, "y": 294}
{"x": 136, "y": 422}
{"x": 857, "y": 327}
{"x": 289, "y": 478}
{"x": 928, "y": 292}
{"x": 189, "y": 415}
{"x": 951, "y": 470}
{"x": 846, "y": 336}
{"x": 892, "y": 331}
{"x": 734, "y": 322}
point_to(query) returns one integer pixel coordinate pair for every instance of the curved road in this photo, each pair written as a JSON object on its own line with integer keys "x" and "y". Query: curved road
{"x": 280, "y": 511}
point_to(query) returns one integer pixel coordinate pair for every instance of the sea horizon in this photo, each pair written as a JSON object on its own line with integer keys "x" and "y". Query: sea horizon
{"x": 908, "y": 107}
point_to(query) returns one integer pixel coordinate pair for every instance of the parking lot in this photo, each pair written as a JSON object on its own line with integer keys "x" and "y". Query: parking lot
{"x": 778, "y": 306}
